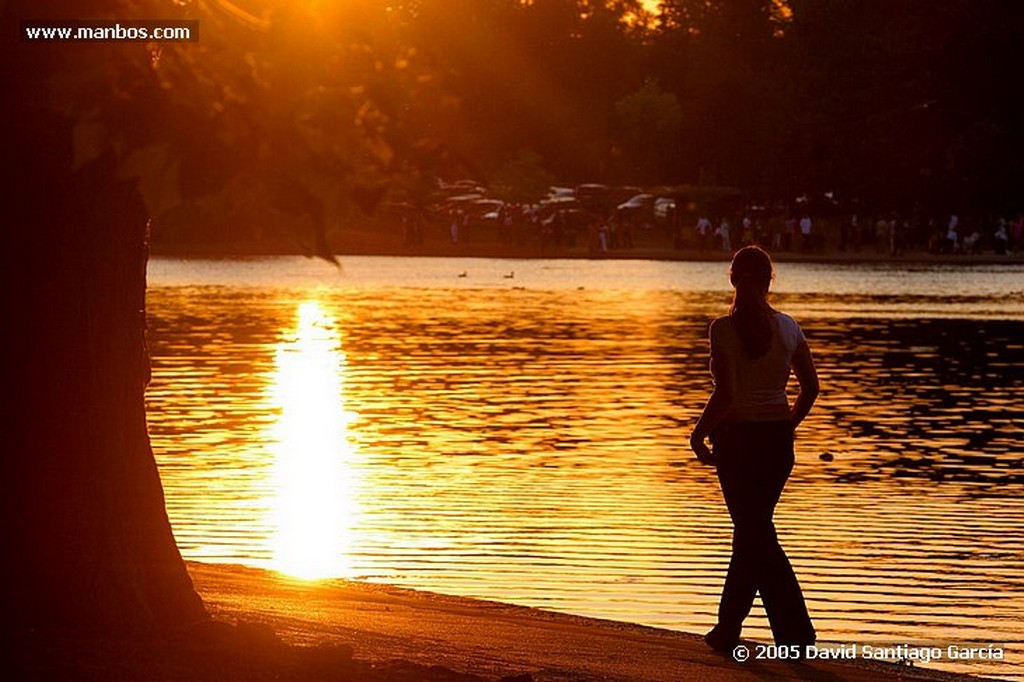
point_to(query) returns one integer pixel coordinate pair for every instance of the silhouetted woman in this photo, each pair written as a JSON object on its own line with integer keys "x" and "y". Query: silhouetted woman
{"x": 750, "y": 423}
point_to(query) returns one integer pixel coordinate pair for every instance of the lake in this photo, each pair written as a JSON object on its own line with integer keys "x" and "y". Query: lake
{"x": 517, "y": 430}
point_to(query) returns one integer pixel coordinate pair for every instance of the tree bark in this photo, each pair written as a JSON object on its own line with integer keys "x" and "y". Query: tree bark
{"x": 87, "y": 538}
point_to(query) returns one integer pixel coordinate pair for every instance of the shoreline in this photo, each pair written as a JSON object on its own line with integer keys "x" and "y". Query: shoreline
{"x": 458, "y": 636}
{"x": 265, "y": 627}
{"x": 251, "y": 250}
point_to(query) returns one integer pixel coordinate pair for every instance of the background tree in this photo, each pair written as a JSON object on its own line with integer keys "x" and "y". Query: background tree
{"x": 301, "y": 110}
{"x": 649, "y": 121}
{"x": 720, "y": 59}
{"x": 910, "y": 103}
{"x": 522, "y": 179}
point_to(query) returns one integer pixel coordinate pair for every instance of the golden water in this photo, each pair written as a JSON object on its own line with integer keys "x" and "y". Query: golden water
{"x": 524, "y": 438}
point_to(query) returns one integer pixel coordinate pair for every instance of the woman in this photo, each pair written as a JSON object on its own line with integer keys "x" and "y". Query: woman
{"x": 751, "y": 424}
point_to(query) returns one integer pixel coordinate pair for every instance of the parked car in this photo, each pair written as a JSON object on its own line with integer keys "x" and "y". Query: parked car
{"x": 460, "y": 201}
{"x": 663, "y": 207}
{"x": 485, "y": 206}
{"x": 546, "y": 208}
{"x": 636, "y": 203}
{"x": 557, "y": 193}
{"x": 460, "y": 187}
{"x": 484, "y": 210}
{"x": 594, "y": 197}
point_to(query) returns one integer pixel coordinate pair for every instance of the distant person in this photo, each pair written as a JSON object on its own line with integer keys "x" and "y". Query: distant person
{"x": 847, "y": 231}
{"x": 777, "y": 228}
{"x": 881, "y": 234}
{"x": 751, "y": 424}
{"x": 453, "y": 226}
{"x": 805, "y": 233}
{"x": 1001, "y": 238}
{"x": 703, "y": 232}
{"x": 724, "y": 236}
{"x": 787, "y": 238}
{"x": 952, "y": 236}
{"x": 603, "y": 233}
{"x": 971, "y": 242}
{"x": 747, "y": 233}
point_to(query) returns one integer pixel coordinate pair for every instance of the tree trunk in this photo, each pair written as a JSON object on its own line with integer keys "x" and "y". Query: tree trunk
{"x": 87, "y": 539}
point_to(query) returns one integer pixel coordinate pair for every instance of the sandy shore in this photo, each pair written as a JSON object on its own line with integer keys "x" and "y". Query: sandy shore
{"x": 268, "y": 628}
{"x": 444, "y": 638}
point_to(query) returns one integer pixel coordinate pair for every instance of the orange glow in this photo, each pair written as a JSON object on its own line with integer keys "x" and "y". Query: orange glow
{"x": 315, "y": 507}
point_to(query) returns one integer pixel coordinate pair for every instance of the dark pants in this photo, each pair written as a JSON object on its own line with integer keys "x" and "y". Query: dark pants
{"x": 754, "y": 461}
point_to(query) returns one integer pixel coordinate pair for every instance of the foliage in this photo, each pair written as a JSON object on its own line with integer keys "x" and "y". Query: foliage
{"x": 310, "y": 113}
{"x": 650, "y": 119}
{"x": 522, "y": 178}
{"x": 891, "y": 96}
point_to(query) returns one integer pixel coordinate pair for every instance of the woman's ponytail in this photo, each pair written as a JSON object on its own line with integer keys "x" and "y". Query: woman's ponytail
{"x": 751, "y": 276}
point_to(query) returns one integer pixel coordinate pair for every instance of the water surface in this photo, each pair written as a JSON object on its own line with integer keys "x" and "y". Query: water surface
{"x": 517, "y": 430}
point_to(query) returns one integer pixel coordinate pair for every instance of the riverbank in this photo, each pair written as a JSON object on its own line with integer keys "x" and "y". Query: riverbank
{"x": 384, "y": 624}
{"x": 641, "y": 252}
{"x": 267, "y": 627}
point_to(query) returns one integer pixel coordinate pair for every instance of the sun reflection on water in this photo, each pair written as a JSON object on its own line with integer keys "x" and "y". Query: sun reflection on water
{"x": 314, "y": 508}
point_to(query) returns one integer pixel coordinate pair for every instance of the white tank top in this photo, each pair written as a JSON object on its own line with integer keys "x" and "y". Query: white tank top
{"x": 760, "y": 390}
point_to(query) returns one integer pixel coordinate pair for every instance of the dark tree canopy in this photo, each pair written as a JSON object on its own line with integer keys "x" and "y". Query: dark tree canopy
{"x": 296, "y": 118}
{"x": 911, "y": 102}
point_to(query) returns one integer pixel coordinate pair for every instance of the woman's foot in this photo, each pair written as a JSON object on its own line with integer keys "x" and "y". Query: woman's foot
{"x": 721, "y": 640}
{"x": 799, "y": 649}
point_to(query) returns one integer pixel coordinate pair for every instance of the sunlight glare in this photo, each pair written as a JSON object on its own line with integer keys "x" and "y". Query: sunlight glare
{"x": 315, "y": 483}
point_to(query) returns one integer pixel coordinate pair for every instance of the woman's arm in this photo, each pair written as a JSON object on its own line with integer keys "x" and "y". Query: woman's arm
{"x": 717, "y": 406}
{"x": 807, "y": 376}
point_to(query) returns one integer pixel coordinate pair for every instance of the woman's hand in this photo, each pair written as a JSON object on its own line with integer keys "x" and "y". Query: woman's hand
{"x": 701, "y": 450}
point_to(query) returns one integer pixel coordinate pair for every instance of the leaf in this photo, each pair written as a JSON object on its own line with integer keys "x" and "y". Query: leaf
{"x": 158, "y": 176}
{"x": 90, "y": 140}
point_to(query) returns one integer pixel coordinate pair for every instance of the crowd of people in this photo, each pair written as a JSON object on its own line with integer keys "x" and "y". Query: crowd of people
{"x": 531, "y": 225}
{"x": 884, "y": 234}
{"x": 800, "y": 231}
